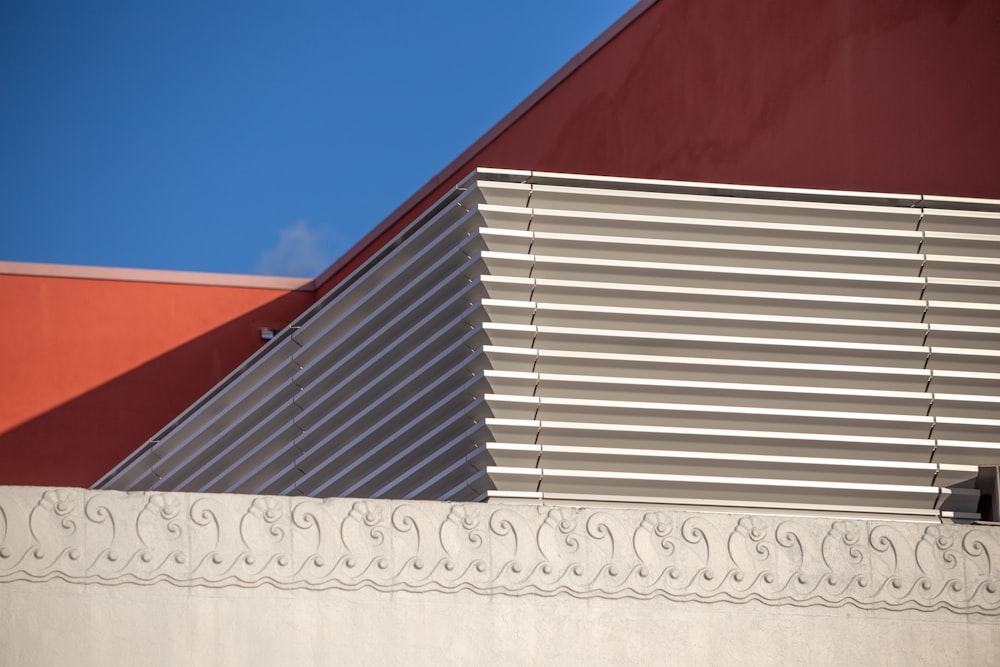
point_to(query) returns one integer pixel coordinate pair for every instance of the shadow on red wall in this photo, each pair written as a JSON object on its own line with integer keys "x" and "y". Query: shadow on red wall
{"x": 77, "y": 442}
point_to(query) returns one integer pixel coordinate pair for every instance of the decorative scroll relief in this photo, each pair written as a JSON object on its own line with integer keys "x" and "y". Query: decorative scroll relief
{"x": 229, "y": 540}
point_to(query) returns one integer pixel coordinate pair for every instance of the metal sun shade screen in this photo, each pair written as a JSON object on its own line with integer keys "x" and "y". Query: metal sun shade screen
{"x": 579, "y": 339}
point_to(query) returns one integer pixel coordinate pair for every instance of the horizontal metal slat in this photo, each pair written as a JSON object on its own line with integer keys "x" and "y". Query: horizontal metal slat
{"x": 707, "y": 253}
{"x": 967, "y": 267}
{"x": 965, "y": 382}
{"x": 706, "y": 299}
{"x": 695, "y": 415}
{"x": 771, "y": 507}
{"x": 702, "y": 392}
{"x": 684, "y": 274}
{"x": 692, "y": 322}
{"x": 570, "y": 198}
{"x": 734, "y": 231}
{"x": 619, "y": 459}
{"x": 865, "y": 497}
{"x": 963, "y": 244}
{"x": 715, "y": 439}
{"x": 546, "y": 360}
{"x": 617, "y": 341}
{"x": 938, "y": 219}
{"x": 959, "y": 289}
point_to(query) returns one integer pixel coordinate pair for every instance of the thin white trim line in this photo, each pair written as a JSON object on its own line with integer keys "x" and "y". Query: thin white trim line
{"x": 155, "y": 276}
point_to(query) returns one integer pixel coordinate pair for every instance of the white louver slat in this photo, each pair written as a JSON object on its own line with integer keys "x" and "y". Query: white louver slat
{"x": 581, "y": 339}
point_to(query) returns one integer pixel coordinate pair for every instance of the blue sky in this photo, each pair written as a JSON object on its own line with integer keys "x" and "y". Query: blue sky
{"x": 249, "y": 136}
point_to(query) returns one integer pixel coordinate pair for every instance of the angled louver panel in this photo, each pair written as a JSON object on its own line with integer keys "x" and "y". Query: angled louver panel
{"x": 547, "y": 337}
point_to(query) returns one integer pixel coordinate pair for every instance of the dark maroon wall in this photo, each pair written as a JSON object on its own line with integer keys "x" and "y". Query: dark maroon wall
{"x": 876, "y": 95}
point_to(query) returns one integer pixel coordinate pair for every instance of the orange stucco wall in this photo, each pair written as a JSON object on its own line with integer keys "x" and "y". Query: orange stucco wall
{"x": 92, "y": 368}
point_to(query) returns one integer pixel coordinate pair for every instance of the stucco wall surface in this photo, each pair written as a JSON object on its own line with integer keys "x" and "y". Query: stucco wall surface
{"x": 59, "y": 623}
{"x": 103, "y": 577}
{"x": 92, "y": 368}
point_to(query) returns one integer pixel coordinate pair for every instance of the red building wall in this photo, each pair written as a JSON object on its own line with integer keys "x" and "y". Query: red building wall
{"x": 92, "y": 368}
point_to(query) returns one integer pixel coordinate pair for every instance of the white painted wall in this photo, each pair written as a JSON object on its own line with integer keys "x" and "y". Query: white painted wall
{"x": 58, "y": 623}
{"x": 109, "y": 578}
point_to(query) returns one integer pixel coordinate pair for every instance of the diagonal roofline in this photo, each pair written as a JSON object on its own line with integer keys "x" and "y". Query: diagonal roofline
{"x": 380, "y": 234}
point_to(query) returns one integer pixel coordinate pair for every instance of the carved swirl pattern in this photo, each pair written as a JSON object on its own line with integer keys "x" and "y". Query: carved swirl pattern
{"x": 229, "y": 540}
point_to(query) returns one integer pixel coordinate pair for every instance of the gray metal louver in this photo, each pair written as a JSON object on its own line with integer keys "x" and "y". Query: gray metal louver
{"x": 549, "y": 337}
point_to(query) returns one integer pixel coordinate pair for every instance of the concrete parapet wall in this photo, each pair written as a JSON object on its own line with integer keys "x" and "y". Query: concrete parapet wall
{"x": 101, "y": 577}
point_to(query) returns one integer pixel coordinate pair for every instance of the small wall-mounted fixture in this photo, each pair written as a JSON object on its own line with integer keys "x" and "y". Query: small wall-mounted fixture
{"x": 267, "y": 333}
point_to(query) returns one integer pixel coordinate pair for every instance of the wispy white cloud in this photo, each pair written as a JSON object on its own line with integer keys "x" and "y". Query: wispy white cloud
{"x": 299, "y": 252}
